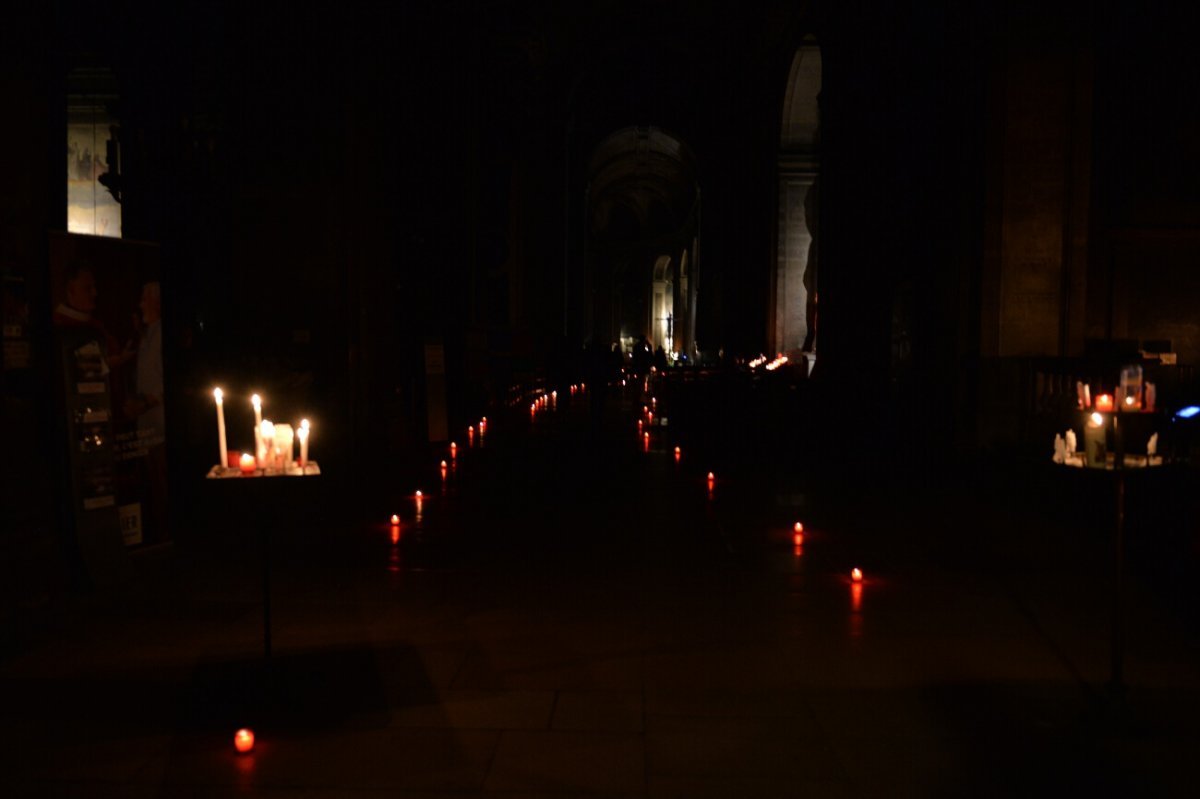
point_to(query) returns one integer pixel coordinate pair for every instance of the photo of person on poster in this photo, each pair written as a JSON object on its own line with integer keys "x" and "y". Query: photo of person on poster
{"x": 78, "y": 309}
{"x": 145, "y": 403}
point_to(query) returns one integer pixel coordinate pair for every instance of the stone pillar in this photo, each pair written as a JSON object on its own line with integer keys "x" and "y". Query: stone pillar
{"x": 795, "y": 243}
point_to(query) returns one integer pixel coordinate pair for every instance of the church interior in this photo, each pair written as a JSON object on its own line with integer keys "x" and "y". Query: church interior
{"x": 692, "y": 390}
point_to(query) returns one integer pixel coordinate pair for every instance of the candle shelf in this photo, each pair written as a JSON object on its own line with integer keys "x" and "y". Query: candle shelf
{"x": 311, "y": 469}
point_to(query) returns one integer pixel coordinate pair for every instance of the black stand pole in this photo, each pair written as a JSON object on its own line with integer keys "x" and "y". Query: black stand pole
{"x": 264, "y": 533}
{"x": 1116, "y": 684}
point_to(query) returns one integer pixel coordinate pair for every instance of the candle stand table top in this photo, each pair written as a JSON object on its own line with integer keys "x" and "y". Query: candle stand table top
{"x": 1078, "y": 460}
{"x": 311, "y": 469}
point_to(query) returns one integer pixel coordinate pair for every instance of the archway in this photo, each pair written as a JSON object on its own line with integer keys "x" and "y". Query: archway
{"x": 794, "y": 301}
{"x": 642, "y": 223}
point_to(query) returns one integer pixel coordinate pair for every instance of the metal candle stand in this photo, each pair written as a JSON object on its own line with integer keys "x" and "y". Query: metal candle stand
{"x": 311, "y": 469}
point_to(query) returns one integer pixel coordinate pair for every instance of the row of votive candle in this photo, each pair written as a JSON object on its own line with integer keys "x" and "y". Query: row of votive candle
{"x": 1126, "y": 399}
{"x": 274, "y": 444}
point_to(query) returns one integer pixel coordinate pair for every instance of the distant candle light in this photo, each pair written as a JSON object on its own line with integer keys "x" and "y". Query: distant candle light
{"x": 247, "y": 463}
{"x": 856, "y": 575}
{"x": 243, "y": 740}
{"x": 1104, "y": 402}
{"x": 798, "y": 533}
{"x": 395, "y": 520}
{"x": 453, "y": 450}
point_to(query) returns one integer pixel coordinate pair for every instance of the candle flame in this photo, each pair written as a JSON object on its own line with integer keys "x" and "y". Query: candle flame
{"x": 304, "y": 424}
{"x": 243, "y": 740}
{"x": 856, "y": 575}
{"x": 798, "y": 527}
{"x": 218, "y": 394}
{"x": 395, "y": 519}
{"x": 256, "y": 401}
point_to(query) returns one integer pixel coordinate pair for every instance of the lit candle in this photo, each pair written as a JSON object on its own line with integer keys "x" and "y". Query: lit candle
{"x": 246, "y": 463}
{"x": 285, "y": 440}
{"x": 219, "y": 396}
{"x": 1095, "y": 440}
{"x": 1104, "y": 403}
{"x": 798, "y": 534}
{"x": 678, "y": 454}
{"x": 268, "y": 442}
{"x": 453, "y": 450}
{"x": 395, "y": 520}
{"x": 856, "y": 575}
{"x": 243, "y": 740}
{"x": 443, "y": 468}
{"x": 302, "y": 434}
{"x": 471, "y": 435}
{"x": 256, "y": 401}
{"x": 712, "y": 478}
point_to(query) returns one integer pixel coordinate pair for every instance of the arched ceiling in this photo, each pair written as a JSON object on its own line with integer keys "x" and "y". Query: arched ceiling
{"x": 642, "y": 187}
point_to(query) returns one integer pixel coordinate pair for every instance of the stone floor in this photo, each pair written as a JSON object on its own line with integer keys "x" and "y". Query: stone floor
{"x": 576, "y": 613}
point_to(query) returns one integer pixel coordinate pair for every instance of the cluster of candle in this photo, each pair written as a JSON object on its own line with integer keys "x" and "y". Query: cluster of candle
{"x": 1131, "y": 396}
{"x": 274, "y": 444}
{"x": 544, "y": 402}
